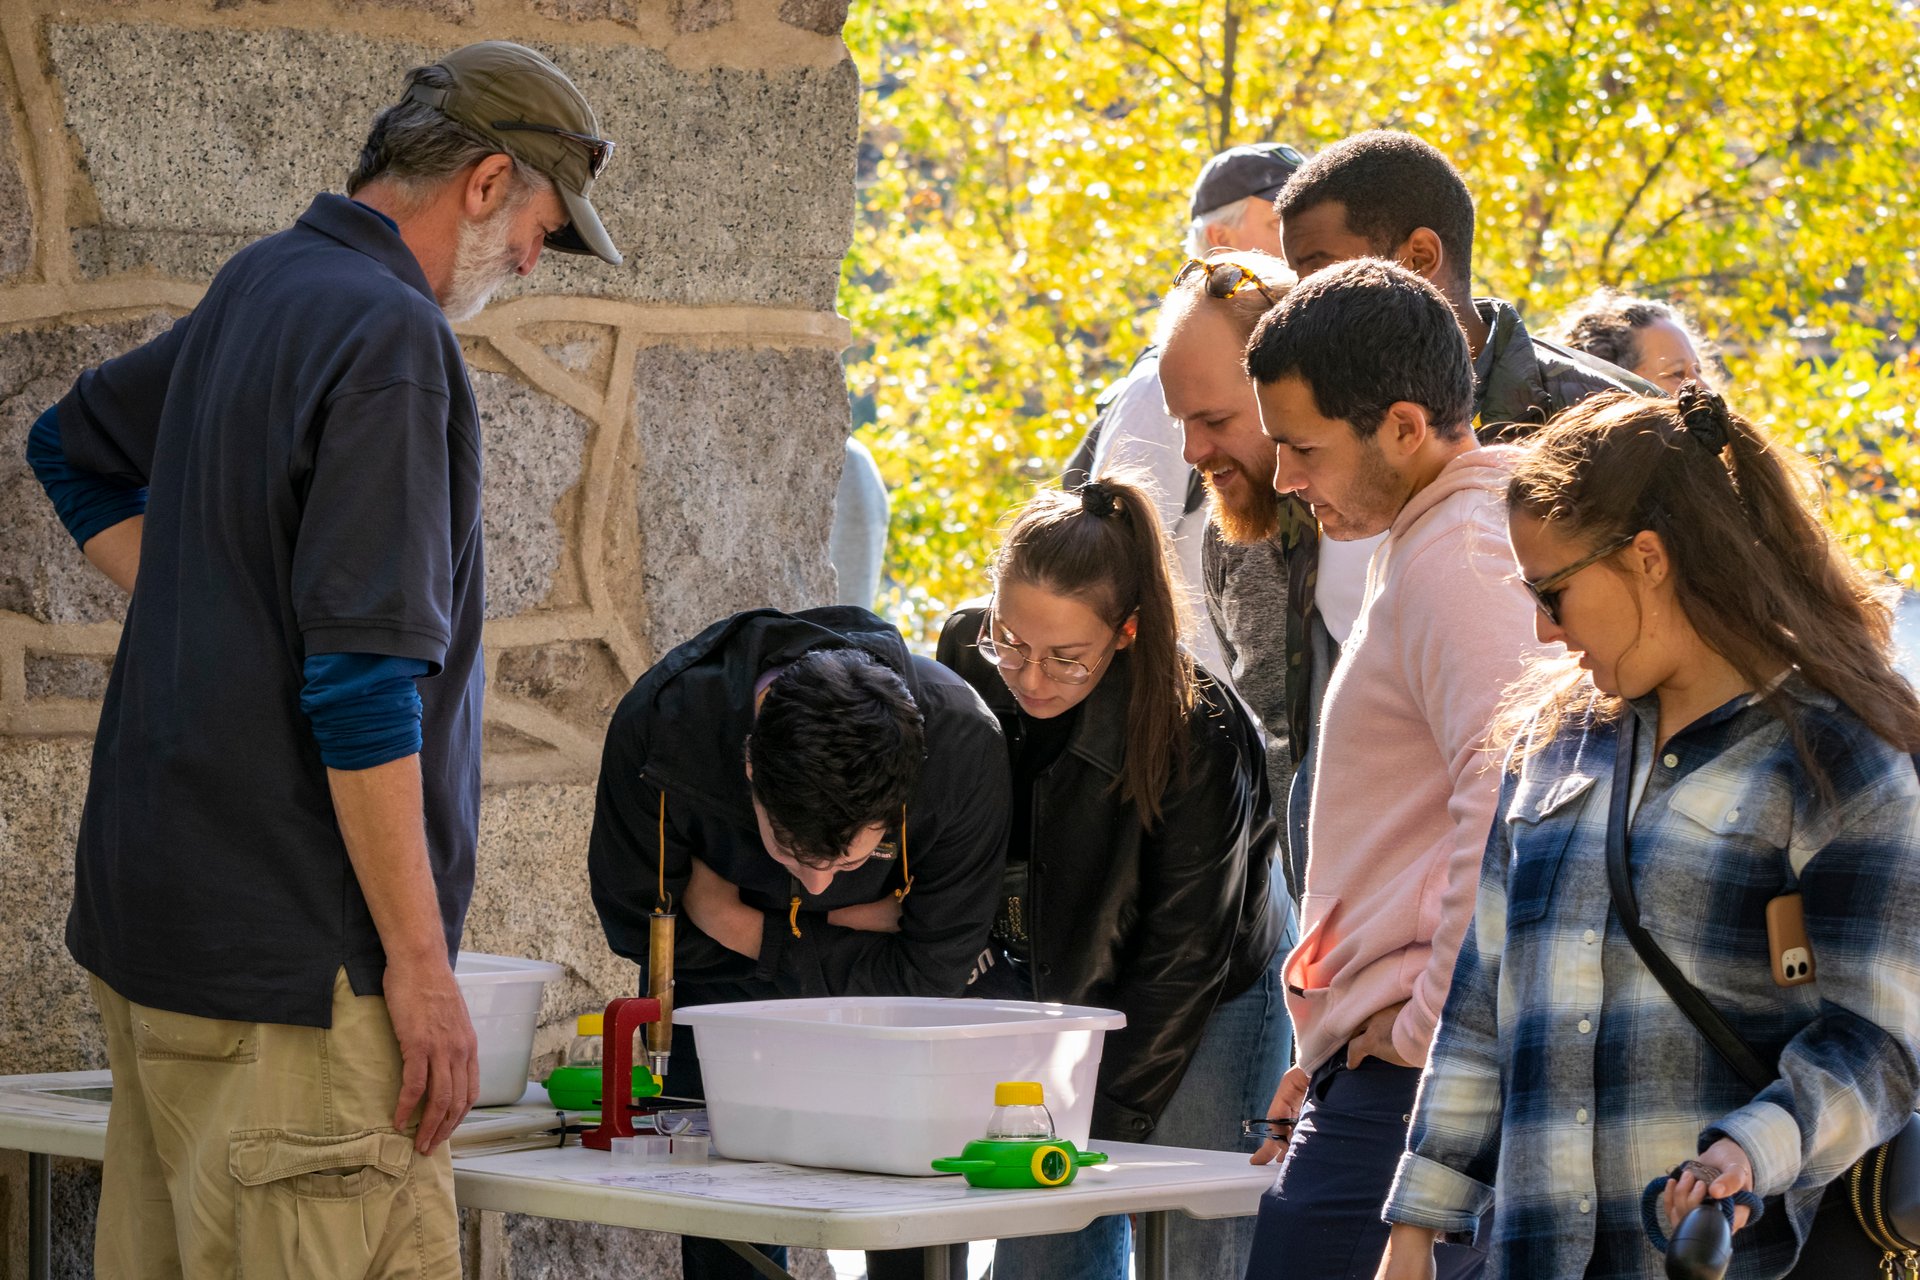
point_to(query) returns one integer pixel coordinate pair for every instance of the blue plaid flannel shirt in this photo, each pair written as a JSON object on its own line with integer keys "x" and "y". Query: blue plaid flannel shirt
{"x": 1563, "y": 1079}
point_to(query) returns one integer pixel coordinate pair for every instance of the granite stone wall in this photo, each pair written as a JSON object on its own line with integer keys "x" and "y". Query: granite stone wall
{"x": 662, "y": 439}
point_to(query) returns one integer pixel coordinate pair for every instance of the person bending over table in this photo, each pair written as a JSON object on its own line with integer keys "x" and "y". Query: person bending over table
{"x": 826, "y": 811}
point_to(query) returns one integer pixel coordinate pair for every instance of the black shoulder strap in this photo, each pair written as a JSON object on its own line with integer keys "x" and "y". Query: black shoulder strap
{"x": 1718, "y": 1032}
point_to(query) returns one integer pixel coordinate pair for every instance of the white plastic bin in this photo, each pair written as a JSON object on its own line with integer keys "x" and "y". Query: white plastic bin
{"x": 886, "y": 1085}
{"x": 503, "y": 998}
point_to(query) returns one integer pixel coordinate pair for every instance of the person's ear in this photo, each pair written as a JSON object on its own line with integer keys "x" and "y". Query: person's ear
{"x": 1403, "y": 430}
{"x": 1422, "y": 253}
{"x": 1650, "y": 558}
{"x": 488, "y": 184}
{"x": 1129, "y": 630}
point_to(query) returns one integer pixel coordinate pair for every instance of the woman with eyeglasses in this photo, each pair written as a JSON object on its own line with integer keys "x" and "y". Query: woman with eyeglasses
{"x": 1721, "y": 757}
{"x": 1139, "y": 872}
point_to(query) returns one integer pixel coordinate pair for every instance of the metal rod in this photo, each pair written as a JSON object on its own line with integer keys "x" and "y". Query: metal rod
{"x": 1152, "y": 1245}
{"x": 943, "y": 1262}
{"x": 39, "y": 1216}
{"x": 759, "y": 1261}
{"x": 660, "y": 987}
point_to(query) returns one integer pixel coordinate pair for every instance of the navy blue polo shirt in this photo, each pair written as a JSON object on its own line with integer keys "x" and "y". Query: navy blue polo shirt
{"x": 311, "y": 452}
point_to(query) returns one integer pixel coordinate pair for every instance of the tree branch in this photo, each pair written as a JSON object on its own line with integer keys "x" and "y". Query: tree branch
{"x": 1229, "y": 58}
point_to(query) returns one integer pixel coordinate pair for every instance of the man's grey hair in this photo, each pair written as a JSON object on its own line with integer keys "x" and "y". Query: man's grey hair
{"x": 1231, "y": 214}
{"x": 414, "y": 148}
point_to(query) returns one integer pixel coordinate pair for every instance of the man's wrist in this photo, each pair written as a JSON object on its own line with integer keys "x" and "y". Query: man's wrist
{"x": 424, "y": 956}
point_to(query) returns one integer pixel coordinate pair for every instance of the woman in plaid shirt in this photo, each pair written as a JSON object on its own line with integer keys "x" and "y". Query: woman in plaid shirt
{"x": 1714, "y": 625}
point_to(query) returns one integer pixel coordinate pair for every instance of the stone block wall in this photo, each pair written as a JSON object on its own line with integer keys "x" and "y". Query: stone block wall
{"x": 662, "y": 439}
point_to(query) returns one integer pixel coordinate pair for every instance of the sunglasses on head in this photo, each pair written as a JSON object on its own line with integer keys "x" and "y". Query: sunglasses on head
{"x": 1546, "y": 592}
{"x": 599, "y": 150}
{"x": 1225, "y": 279}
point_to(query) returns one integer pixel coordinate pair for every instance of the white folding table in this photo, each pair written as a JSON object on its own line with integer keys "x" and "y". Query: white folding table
{"x": 65, "y": 1114}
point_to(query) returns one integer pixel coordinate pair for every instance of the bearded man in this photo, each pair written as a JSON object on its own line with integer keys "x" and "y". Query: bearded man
{"x": 1260, "y": 550}
{"x": 277, "y": 848}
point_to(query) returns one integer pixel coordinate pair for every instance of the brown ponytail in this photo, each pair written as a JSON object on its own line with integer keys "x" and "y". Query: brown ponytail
{"x": 1759, "y": 577}
{"x": 1102, "y": 545}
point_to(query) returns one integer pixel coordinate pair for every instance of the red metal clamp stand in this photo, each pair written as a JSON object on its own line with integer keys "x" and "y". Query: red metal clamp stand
{"x": 625, "y": 1016}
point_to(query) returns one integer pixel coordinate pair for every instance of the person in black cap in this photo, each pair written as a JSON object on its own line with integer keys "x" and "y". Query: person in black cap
{"x": 277, "y": 847}
{"x": 1231, "y": 208}
{"x": 1232, "y": 205}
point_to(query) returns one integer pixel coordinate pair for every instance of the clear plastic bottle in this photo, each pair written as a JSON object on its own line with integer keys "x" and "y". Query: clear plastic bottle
{"x": 588, "y": 1047}
{"x": 1019, "y": 1112}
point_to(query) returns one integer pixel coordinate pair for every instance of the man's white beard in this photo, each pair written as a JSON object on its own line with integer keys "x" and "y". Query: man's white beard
{"x": 483, "y": 260}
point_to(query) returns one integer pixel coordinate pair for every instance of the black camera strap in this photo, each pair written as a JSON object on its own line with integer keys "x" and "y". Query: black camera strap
{"x": 1717, "y": 1030}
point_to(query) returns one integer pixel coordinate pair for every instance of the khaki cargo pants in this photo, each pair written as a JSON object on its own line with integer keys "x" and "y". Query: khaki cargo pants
{"x": 264, "y": 1150}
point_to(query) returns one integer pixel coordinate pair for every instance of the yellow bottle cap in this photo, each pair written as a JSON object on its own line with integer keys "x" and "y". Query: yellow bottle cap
{"x": 1018, "y": 1093}
{"x": 590, "y": 1024}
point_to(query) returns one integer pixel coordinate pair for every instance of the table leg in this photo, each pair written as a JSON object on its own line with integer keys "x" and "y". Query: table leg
{"x": 944, "y": 1262}
{"x": 1152, "y": 1258}
{"x": 39, "y": 1216}
{"x": 758, "y": 1261}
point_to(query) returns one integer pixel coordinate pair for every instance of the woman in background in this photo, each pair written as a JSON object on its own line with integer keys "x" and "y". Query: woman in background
{"x": 1644, "y": 337}
{"x": 1139, "y": 870}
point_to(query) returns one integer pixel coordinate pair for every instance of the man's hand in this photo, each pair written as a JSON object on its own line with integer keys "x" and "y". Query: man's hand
{"x": 1730, "y": 1172}
{"x": 1409, "y": 1254}
{"x": 439, "y": 1055}
{"x": 1286, "y": 1103}
{"x": 1375, "y": 1039}
{"x": 379, "y": 814}
{"x": 869, "y": 917}
{"x": 714, "y": 906}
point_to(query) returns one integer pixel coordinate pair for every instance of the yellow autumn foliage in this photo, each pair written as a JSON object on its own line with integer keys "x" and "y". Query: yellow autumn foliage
{"x": 1025, "y": 168}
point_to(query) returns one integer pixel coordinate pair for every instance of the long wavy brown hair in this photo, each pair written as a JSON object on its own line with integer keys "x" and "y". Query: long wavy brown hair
{"x": 1758, "y": 576}
{"x": 1107, "y": 550}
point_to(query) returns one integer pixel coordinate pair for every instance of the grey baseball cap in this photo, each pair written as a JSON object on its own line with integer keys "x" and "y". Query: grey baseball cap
{"x": 522, "y": 103}
{"x": 1258, "y": 169}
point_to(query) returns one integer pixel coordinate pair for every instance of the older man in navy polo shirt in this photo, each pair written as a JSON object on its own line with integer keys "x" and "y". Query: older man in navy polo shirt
{"x": 276, "y": 853}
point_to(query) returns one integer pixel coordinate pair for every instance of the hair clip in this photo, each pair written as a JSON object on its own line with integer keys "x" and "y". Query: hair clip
{"x": 1704, "y": 416}
{"x": 1096, "y": 499}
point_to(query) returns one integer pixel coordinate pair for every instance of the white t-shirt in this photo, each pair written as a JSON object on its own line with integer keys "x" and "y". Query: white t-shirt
{"x": 1342, "y": 582}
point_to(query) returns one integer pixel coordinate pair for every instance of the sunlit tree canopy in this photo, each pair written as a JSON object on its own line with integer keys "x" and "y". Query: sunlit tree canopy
{"x": 1026, "y": 165}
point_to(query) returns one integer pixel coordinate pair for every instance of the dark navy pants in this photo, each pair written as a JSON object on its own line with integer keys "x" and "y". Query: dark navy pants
{"x": 1321, "y": 1220}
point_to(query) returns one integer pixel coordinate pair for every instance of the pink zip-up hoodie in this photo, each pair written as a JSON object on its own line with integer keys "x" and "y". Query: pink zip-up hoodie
{"x": 1405, "y": 790}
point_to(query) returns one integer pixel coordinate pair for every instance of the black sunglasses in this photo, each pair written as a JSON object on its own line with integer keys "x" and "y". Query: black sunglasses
{"x": 599, "y": 150}
{"x": 1546, "y": 592}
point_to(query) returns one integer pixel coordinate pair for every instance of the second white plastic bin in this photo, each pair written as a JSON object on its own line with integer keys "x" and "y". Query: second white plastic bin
{"x": 886, "y": 1084}
{"x": 503, "y": 998}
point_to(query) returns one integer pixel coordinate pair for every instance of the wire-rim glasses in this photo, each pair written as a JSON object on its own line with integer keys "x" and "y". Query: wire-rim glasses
{"x": 1010, "y": 656}
{"x": 599, "y": 150}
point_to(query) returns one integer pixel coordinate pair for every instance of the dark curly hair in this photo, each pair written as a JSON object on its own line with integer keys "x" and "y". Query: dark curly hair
{"x": 1391, "y": 184}
{"x": 836, "y": 747}
{"x": 1607, "y": 325}
{"x": 1364, "y": 335}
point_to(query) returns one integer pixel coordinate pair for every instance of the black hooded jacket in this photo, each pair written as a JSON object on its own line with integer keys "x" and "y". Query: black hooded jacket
{"x": 682, "y": 729}
{"x": 1162, "y": 922}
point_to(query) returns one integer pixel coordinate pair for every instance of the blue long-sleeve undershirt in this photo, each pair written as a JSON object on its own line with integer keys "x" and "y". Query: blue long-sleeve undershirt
{"x": 364, "y": 707}
{"x": 86, "y": 503}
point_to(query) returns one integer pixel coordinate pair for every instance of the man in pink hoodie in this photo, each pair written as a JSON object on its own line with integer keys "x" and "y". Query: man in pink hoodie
{"x": 1366, "y": 389}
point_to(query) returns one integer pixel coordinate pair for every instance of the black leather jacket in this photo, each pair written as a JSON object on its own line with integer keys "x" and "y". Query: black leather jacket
{"x": 1161, "y": 923}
